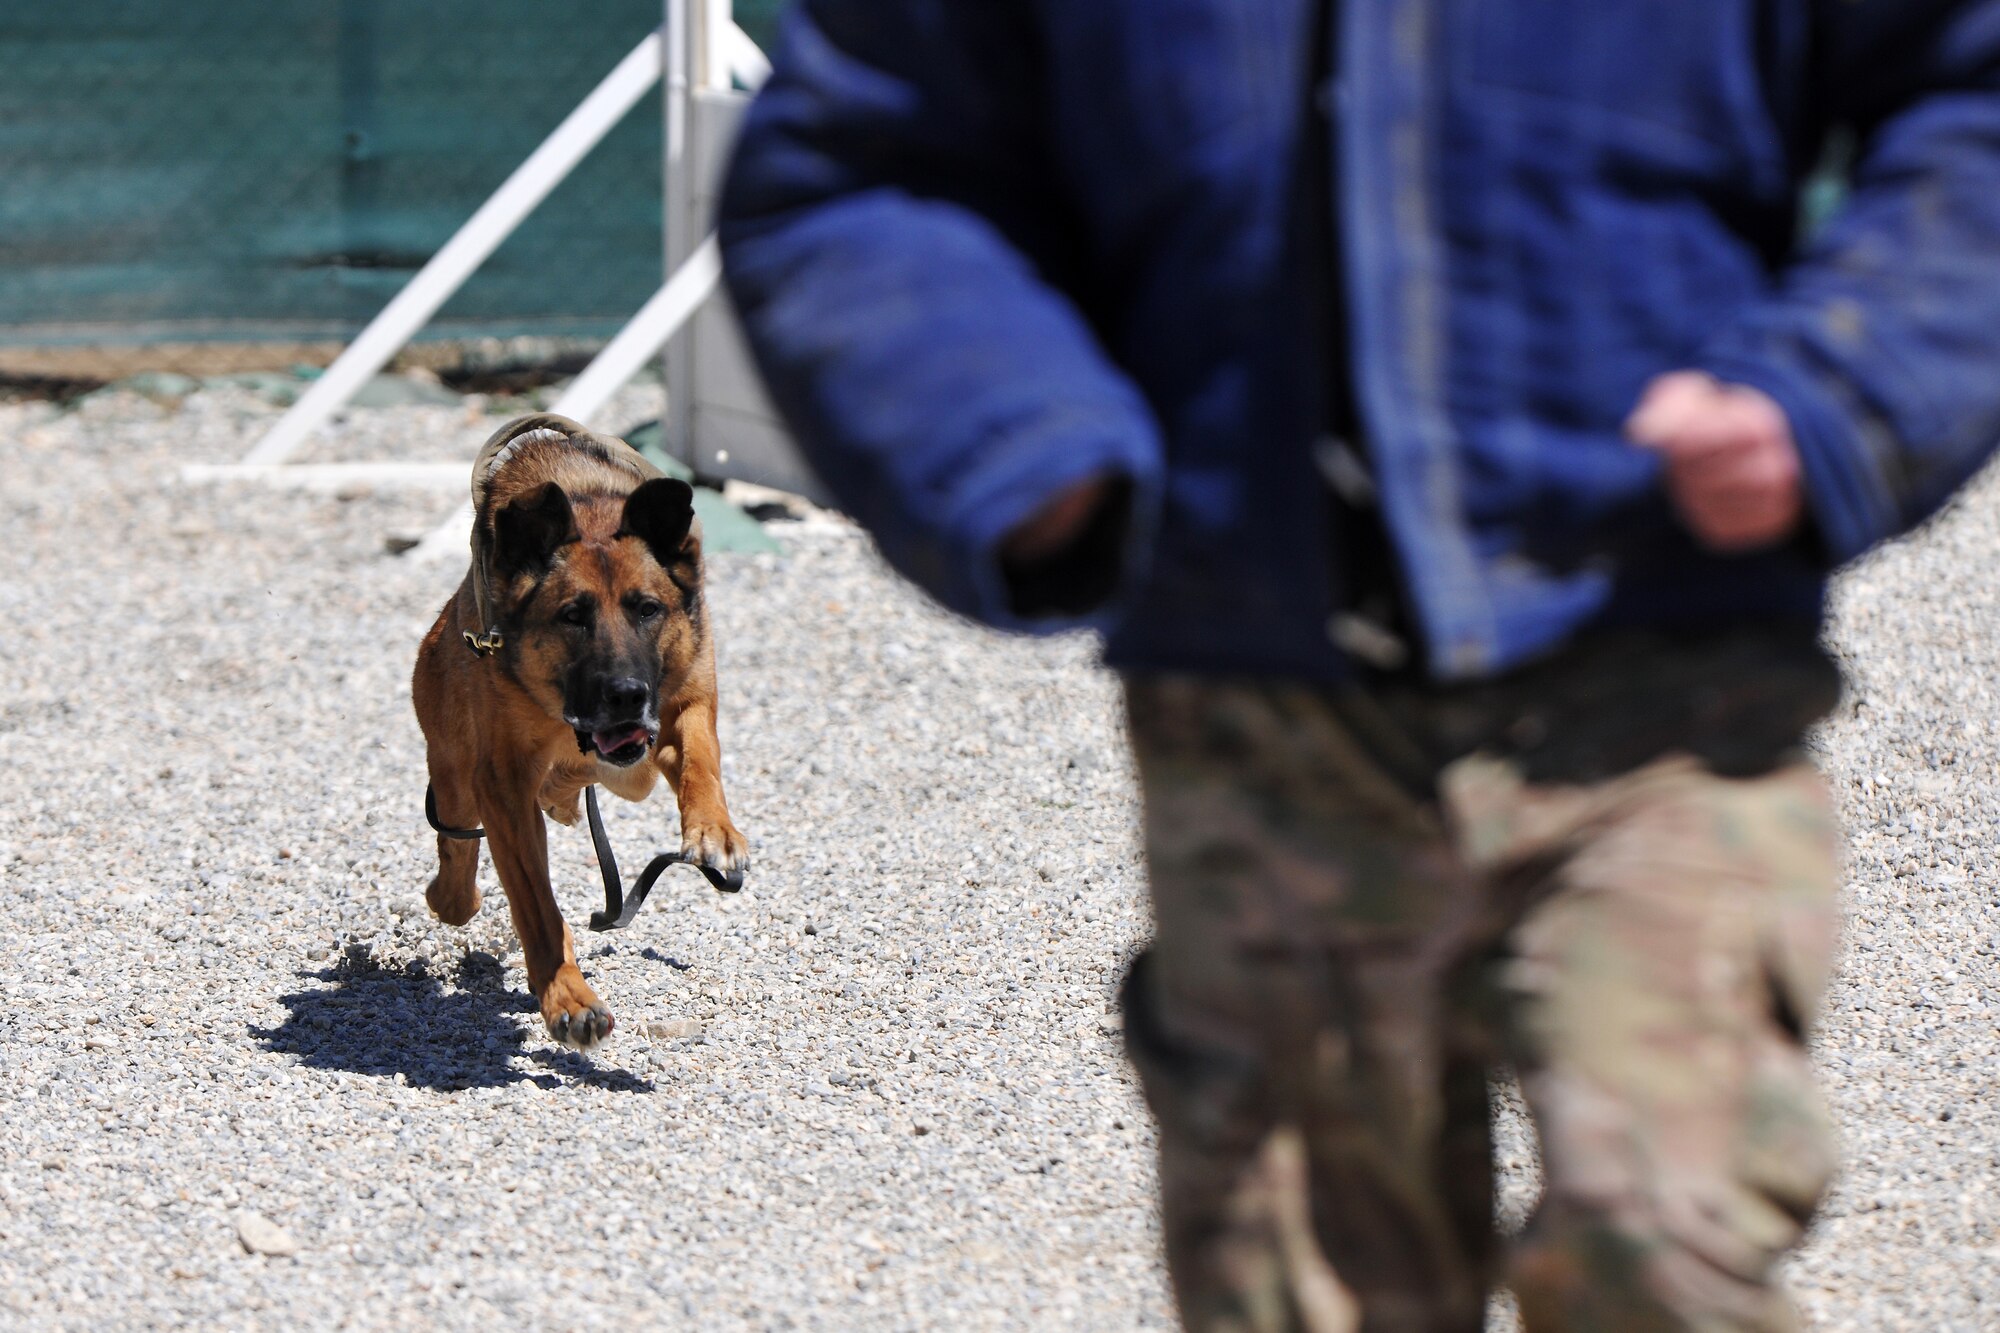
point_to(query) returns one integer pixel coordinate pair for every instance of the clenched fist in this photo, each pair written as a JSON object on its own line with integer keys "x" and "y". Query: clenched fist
{"x": 1056, "y": 525}
{"x": 1732, "y": 467}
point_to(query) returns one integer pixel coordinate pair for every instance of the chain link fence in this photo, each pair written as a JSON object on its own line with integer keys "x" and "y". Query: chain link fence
{"x": 223, "y": 185}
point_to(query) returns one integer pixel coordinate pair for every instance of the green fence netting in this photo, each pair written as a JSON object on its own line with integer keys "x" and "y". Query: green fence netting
{"x": 279, "y": 168}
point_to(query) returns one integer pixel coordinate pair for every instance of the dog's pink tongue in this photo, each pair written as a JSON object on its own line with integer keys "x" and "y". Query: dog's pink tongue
{"x": 608, "y": 742}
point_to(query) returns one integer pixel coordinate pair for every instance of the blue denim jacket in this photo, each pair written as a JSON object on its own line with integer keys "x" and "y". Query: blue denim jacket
{"x": 985, "y": 248}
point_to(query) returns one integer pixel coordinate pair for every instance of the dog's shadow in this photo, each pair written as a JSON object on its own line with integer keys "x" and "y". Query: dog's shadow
{"x": 399, "y": 1019}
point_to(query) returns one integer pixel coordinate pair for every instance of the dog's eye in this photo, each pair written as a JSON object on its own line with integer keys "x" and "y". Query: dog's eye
{"x": 577, "y": 614}
{"x": 648, "y": 609}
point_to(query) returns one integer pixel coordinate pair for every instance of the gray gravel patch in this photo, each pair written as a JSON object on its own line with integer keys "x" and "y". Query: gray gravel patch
{"x": 881, "y": 1089}
{"x": 1910, "y": 1043}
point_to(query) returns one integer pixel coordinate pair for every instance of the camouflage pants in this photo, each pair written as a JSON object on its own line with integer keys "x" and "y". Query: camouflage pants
{"x": 1618, "y": 876}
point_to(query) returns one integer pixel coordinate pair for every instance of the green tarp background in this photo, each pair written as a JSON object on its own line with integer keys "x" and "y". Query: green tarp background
{"x": 188, "y": 169}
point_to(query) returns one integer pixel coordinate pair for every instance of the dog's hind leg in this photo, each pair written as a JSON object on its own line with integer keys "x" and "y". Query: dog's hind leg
{"x": 453, "y": 893}
{"x": 437, "y": 693}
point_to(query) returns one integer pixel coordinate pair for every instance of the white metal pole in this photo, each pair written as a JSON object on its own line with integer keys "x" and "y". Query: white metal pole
{"x": 718, "y": 19}
{"x": 677, "y": 367}
{"x": 658, "y": 320}
{"x": 331, "y": 476}
{"x": 448, "y": 269}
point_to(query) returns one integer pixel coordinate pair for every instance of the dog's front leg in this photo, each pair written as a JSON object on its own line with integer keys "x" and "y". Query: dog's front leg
{"x": 691, "y": 759}
{"x": 518, "y": 840}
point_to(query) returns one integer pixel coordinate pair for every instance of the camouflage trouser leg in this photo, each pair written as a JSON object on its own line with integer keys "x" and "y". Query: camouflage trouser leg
{"x": 1339, "y": 959}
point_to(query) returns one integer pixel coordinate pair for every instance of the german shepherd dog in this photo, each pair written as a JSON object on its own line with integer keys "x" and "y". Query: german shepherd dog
{"x": 590, "y": 662}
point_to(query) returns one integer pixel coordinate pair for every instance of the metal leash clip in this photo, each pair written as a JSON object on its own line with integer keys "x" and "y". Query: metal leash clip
{"x": 485, "y": 645}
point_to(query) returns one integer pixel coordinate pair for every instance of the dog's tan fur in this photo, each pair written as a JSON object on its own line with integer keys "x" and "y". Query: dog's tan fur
{"x": 501, "y": 753}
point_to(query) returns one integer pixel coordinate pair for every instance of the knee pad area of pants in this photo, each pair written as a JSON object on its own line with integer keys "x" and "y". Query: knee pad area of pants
{"x": 1205, "y": 1089}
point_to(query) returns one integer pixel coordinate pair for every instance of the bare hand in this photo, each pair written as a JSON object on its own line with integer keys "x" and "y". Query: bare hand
{"x": 1055, "y": 525}
{"x": 1732, "y": 467}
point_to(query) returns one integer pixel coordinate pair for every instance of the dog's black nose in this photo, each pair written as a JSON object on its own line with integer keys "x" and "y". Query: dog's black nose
{"x": 625, "y": 697}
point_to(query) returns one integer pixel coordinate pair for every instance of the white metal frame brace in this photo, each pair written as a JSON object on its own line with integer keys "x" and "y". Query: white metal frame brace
{"x": 482, "y": 234}
{"x": 694, "y": 277}
{"x": 635, "y": 344}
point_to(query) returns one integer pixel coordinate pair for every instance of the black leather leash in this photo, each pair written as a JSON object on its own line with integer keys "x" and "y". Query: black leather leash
{"x": 619, "y": 907}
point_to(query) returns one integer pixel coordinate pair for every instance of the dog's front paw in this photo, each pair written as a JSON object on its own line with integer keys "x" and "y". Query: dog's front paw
{"x": 718, "y": 845}
{"x": 574, "y": 1014}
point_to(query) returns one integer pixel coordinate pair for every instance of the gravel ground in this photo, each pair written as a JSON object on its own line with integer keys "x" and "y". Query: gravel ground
{"x": 881, "y": 1089}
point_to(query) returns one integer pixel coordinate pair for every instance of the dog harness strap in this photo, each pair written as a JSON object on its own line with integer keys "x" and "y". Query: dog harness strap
{"x": 621, "y": 907}
{"x": 431, "y": 813}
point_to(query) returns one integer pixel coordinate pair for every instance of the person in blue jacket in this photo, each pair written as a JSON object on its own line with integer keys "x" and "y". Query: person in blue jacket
{"x": 1449, "y": 418}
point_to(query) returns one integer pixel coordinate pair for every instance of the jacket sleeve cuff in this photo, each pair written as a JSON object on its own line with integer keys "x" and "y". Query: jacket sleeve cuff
{"x": 1012, "y": 485}
{"x": 1851, "y": 499}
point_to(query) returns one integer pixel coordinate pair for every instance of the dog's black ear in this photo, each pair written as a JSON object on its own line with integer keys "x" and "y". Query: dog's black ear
{"x": 528, "y": 532}
{"x": 660, "y": 513}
